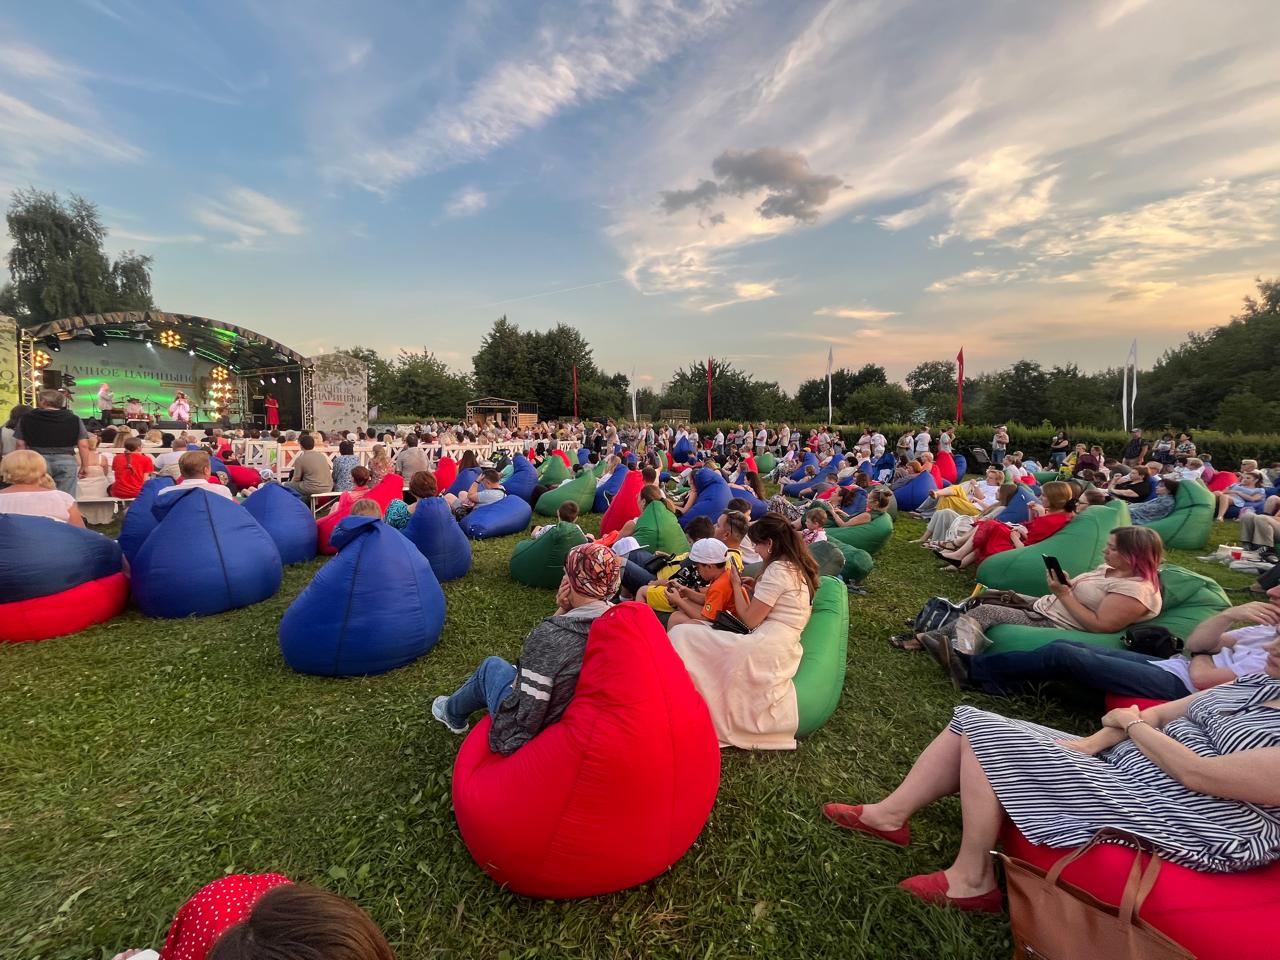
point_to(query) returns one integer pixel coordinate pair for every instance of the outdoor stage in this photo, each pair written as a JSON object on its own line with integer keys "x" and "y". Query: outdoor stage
{"x": 227, "y": 372}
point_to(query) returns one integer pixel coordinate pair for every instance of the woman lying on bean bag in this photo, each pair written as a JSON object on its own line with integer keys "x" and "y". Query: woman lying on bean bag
{"x": 1198, "y": 779}
{"x": 991, "y": 536}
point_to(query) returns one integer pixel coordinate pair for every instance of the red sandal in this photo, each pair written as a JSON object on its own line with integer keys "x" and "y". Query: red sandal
{"x": 932, "y": 888}
{"x": 843, "y": 815}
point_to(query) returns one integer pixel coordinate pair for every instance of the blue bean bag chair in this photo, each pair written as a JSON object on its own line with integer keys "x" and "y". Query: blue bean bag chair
{"x": 374, "y": 607}
{"x": 464, "y": 480}
{"x": 884, "y": 468}
{"x": 758, "y": 507}
{"x": 962, "y": 465}
{"x": 914, "y": 492}
{"x": 810, "y": 460}
{"x": 584, "y": 454}
{"x": 606, "y": 491}
{"x": 434, "y": 531}
{"x": 139, "y": 521}
{"x": 206, "y": 555}
{"x": 793, "y": 489}
{"x": 1016, "y": 510}
{"x": 509, "y": 515}
{"x": 287, "y": 520}
{"x": 522, "y": 479}
{"x": 56, "y": 579}
{"x": 683, "y": 447}
{"x": 713, "y": 496}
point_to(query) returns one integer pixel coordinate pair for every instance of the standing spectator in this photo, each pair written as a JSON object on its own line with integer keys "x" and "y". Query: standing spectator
{"x": 946, "y": 439}
{"x": 8, "y": 442}
{"x": 1136, "y": 450}
{"x": 56, "y": 434}
{"x": 923, "y": 439}
{"x": 999, "y": 444}
{"x": 1059, "y": 447}
{"x": 106, "y": 402}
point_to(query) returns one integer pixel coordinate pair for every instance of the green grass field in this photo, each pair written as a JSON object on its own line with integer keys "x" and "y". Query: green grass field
{"x": 141, "y": 759}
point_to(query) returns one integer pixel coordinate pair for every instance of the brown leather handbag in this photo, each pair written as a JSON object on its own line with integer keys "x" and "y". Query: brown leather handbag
{"x": 1055, "y": 920}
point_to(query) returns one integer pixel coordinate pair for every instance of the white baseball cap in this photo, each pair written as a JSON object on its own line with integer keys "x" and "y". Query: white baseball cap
{"x": 625, "y": 545}
{"x": 708, "y": 550}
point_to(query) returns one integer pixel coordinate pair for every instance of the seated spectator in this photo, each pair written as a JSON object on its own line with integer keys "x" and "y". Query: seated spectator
{"x": 1123, "y": 591}
{"x": 819, "y": 487}
{"x": 364, "y": 507}
{"x": 1258, "y": 532}
{"x": 194, "y": 471}
{"x": 990, "y": 536}
{"x": 971, "y": 497}
{"x": 1090, "y": 459}
{"x": 878, "y": 500}
{"x": 1191, "y": 469}
{"x": 1215, "y": 653}
{"x": 343, "y": 464}
{"x": 31, "y": 491}
{"x": 651, "y": 493}
{"x": 1246, "y": 495}
{"x": 1158, "y": 508}
{"x": 131, "y": 470}
{"x": 413, "y": 459}
{"x": 167, "y": 462}
{"x": 815, "y": 526}
{"x": 311, "y": 473}
{"x": 1198, "y": 778}
{"x": 1133, "y": 487}
{"x": 567, "y": 512}
{"x": 486, "y": 489}
{"x": 359, "y": 490}
{"x": 380, "y": 464}
{"x": 699, "y": 589}
{"x": 421, "y": 486}
{"x": 525, "y": 701}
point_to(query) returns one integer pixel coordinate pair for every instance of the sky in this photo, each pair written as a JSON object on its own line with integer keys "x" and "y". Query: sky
{"x": 761, "y": 181}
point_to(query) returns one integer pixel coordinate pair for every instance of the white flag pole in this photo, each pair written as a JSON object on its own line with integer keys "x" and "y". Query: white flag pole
{"x": 633, "y": 395}
{"x": 829, "y": 359}
{"x": 1133, "y": 383}
{"x": 1124, "y": 398}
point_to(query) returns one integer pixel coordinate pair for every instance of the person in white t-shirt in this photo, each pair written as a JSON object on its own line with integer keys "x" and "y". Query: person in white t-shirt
{"x": 195, "y": 472}
{"x": 878, "y": 444}
{"x": 922, "y": 441}
{"x": 762, "y": 439}
{"x": 167, "y": 462}
{"x": 784, "y": 437}
{"x": 31, "y": 492}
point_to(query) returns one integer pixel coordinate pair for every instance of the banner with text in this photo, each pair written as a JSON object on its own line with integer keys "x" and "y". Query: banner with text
{"x": 339, "y": 392}
{"x": 10, "y": 395}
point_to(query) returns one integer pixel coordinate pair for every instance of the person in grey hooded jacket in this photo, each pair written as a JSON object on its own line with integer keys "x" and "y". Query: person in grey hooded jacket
{"x": 528, "y": 696}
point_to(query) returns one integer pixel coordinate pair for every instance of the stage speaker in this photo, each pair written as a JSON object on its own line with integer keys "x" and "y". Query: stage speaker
{"x": 170, "y": 425}
{"x": 50, "y": 379}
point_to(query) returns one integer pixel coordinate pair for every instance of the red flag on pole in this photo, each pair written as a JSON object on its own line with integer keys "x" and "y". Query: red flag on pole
{"x": 709, "y": 363}
{"x": 575, "y": 392}
{"x": 960, "y": 385}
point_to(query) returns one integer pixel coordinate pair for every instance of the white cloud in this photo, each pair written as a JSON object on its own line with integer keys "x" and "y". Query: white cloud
{"x": 28, "y": 135}
{"x": 466, "y": 202}
{"x": 248, "y": 216}
{"x": 744, "y": 293}
{"x": 867, "y": 314}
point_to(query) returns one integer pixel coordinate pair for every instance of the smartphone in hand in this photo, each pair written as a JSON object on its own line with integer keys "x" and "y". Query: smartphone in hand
{"x": 1055, "y": 570}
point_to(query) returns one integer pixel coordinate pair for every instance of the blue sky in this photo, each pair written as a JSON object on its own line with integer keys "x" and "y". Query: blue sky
{"x": 675, "y": 177}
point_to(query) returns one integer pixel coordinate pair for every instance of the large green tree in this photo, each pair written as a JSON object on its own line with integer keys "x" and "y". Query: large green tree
{"x": 57, "y": 266}
{"x": 811, "y": 395}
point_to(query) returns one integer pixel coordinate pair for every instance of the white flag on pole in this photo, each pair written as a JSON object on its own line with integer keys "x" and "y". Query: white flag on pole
{"x": 1133, "y": 378}
{"x": 830, "y": 359}
{"x": 633, "y": 393}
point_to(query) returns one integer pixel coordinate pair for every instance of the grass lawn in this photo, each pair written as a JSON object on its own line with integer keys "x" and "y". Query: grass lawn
{"x": 143, "y": 758}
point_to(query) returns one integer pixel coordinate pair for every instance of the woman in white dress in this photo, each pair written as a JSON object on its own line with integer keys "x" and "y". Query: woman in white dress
{"x": 31, "y": 492}
{"x": 746, "y": 679}
{"x": 94, "y": 485}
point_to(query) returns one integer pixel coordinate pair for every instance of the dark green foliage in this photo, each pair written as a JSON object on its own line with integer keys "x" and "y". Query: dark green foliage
{"x": 812, "y": 394}
{"x": 415, "y": 384}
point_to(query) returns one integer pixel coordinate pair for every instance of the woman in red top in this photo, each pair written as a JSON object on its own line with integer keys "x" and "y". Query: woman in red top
{"x": 991, "y": 536}
{"x": 131, "y": 470}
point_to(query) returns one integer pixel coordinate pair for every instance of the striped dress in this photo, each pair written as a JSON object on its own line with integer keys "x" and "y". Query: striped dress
{"x": 1060, "y": 798}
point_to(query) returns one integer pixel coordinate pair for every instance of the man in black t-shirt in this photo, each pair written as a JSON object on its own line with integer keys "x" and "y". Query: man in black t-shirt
{"x": 1136, "y": 450}
{"x": 58, "y": 435}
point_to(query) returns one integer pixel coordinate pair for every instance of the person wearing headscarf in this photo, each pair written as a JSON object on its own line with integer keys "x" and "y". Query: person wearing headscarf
{"x": 528, "y": 696}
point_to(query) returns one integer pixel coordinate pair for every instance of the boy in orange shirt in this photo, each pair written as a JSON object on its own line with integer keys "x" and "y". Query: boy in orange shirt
{"x": 694, "y": 606}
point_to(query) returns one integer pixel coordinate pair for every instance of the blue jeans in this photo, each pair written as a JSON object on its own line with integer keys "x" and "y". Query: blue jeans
{"x": 1114, "y": 671}
{"x": 1058, "y": 457}
{"x": 634, "y": 575}
{"x": 484, "y": 689}
{"x": 64, "y": 468}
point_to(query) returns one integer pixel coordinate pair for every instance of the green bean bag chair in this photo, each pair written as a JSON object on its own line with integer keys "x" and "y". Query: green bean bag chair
{"x": 540, "y": 562}
{"x": 1188, "y": 527}
{"x": 857, "y": 563}
{"x": 598, "y": 470}
{"x": 658, "y": 529}
{"x": 505, "y": 475}
{"x": 1078, "y": 547}
{"x": 867, "y": 536}
{"x": 1044, "y": 476}
{"x": 1189, "y": 600}
{"x": 582, "y": 491}
{"x": 819, "y": 680}
{"x": 553, "y": 472}
{"x": 829, "y": 557}
{"x": 766, "y": 462}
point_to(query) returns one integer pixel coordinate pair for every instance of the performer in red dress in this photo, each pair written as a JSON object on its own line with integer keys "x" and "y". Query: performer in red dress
{"x": 272, "y": 406}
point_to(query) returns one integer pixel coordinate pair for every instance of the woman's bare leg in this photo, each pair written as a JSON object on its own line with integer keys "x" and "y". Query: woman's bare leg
{"x": 973, "y": 873}
{"x": 935, "y": 774}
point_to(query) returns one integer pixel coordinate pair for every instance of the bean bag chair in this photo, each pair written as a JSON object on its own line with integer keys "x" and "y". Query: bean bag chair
{"x": 613, "y": 794}
{"x": 434, "y": 531}
{"x": 884, "y": 468}
{"x": 758, "y": 507}
{"x": 625, "y": 504}
{"x": 1017, "y": 509}
{"x": 387, "y": 489}
{"x": 810, "y": 459}
{"x": 1188, "y": 600}
{"x": 859, "y": 504}
{"x": 540, "y": 562}
{"x": 599, "y": 469}
{"x": 286, "y": 519}
{"x": 793, "y": 489}
{"x": 139, "y": 521}
{"x": 522, "y": 479}
{"x": 870, "y": 536}
{"x": 1188, "y": 527}
{"x": 463, "y": 480}
{"x": 962, "y": 466}
{"x": 819, "y": 679}
{"x": 915, "y": 491}
{"x": 854, "y": 562}
{"x": 658, "y": 529}
{"x": 374, "y": 607}
{"x": 582, "y": 491}
{"x": 826, "y": 553}
{"x": 584, "y": 454}
{"x": 605, "y": 492}
{"x": 1113, "y": 701}
{"x": 56, "y": 579}
{"x": 1044, "y": 476}
{"x": 946, "y": 465}
{"x": 563, "y": 458}
{"x": 713, "y": 496}
{"x": 554, "y": 471}
{"x": 506, "y": 516}
{"x": 682, "y": 449}
{"x": 1078, "y": 547}
{"x": 205, "y": 556}
{"x": 505, "y": 473}
{"x": 244, "y": 478}
{"x": 766, "y": 462}
{"x": 937, "y": 475}
{"x": 1215, "y": 916}
{"x": 446, "y": 472}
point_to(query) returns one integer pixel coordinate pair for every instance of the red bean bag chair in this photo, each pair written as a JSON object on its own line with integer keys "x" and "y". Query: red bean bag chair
{"x": 936, "y": 473}
{"x": 1221, "y": 480}
{"x": 565, "y": 457}
{"x": 56, "y": 579}
{"x": 387, "y": 489}
{"x": 625, "y": 505}
{"x": 1115, "y": 700}
{"x": 946, "y": 465}
{"x": 244, "y": 478}
{"x": 613, "y": 794}
{"x": 1216, "y": 916}
{"x": 446, "y": 473}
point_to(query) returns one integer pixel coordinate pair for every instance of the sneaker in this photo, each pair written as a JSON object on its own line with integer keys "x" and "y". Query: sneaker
{"x": 437, "y": 711}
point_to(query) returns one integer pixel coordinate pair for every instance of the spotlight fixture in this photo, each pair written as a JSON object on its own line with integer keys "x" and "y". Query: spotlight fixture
{"x": 99, "y": 335}
{"x": 40, "y": 359}
{"x": 262, "y": 381}
{"x": 288, "y": 379}
{"x": 170, "y": 338}
{"x": 219, "y": 373}
{"x": 53, "y": 343}
{"x": 273, "y": 379}
{"x": 191, "y": 351}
